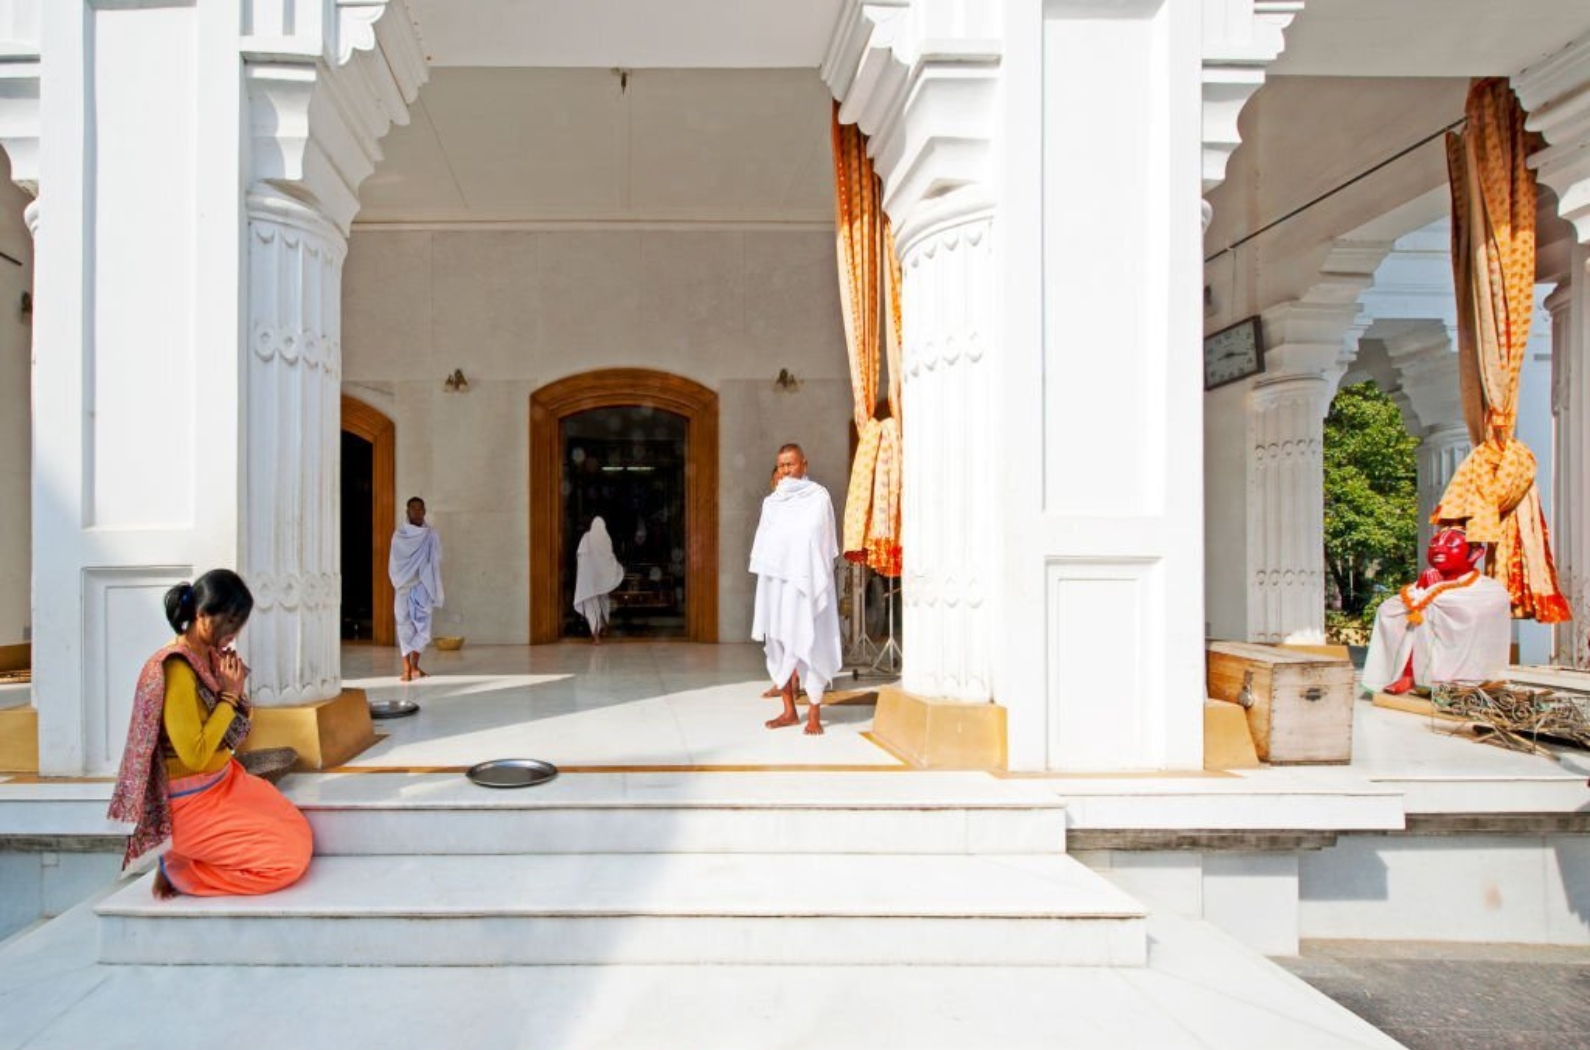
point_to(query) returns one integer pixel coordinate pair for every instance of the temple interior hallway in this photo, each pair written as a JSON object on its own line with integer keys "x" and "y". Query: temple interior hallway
{"x": 617, "y": 704}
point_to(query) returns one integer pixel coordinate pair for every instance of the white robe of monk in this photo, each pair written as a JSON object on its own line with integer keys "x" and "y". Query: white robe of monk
{"x": 797, "y": 608}
{"x": 597, "y": 573}
{"x": 415, "y": 568}
{"x": 1466, "y": 637}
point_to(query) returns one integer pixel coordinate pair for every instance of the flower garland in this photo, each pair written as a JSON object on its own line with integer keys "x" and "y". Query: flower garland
{"x": 1416, "y": 607}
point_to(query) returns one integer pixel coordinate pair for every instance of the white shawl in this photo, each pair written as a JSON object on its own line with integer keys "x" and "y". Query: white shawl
{"x": 598, "y": 571}
{"x": 796, "y": 614}
{"x": 1466, "y": 637}
{"x": 416, "y": 560}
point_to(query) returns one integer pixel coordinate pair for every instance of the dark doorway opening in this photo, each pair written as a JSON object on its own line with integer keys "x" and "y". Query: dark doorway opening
{"x": 627, "y": 465}
{"x": 358, "y": 482}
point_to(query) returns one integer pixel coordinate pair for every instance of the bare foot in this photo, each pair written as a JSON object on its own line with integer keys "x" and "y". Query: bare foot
{"x": 785, "y": 720}
{"x": 405, "y": 677}
{"x": 770, "y": 693}
{"x": 163, "y": 889}
{"x": 814, "y": 723}
{"x": 419, "y": 673}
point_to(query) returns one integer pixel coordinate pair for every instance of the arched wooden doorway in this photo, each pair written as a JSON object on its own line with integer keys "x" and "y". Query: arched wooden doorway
{"x": 618, "y": 388}
{"x": 362, "y": 421}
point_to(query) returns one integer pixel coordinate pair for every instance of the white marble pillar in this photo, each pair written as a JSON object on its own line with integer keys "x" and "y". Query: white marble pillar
{"x": 948, "y": 302}
{"x": 1441, "y": 451}
{"x": 1426, "y": 362}
{"x": 1286, "y": 525}
{"x": 1569, "y": 307}
{"x": 290, "y": 551}
{"x": 178, "y": 441}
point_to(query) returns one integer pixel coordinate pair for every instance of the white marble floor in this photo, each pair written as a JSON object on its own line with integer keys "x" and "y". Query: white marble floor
{"x": 619, "y": 704}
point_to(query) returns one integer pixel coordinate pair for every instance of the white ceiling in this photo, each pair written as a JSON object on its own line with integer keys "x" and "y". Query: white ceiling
{"x": 635, "y": 34}
{"x": 482, "y": 144}
{"x": 1427, "y": 38}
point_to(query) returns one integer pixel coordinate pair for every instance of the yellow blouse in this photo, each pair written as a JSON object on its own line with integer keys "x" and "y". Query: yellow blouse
{"x": 194, "y": 734}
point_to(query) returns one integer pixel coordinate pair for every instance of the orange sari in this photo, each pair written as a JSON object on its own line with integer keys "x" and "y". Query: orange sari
{"x": 233, "y": 834}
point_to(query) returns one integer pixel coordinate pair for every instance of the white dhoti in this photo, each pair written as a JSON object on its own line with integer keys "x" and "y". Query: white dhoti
{"x": 412, "y": 609}
{"x": 797, "y": 611}
{"x": 415, "y": 568}
{"x": 597, "y": 573}
{"x": 1466, "y": 637}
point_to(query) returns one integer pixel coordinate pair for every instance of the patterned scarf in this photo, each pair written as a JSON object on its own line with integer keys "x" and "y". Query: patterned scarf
{"x": 140, "y": 795}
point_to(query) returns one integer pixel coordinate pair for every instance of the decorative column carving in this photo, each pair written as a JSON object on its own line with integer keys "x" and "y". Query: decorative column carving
{"x": 948, "y": 302}
{"x": 290, "y": 551}
{"x": 1286, "y": 525}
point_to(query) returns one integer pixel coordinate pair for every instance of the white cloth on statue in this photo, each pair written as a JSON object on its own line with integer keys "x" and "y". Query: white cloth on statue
{"x": 1466, "y": 636}
{"x": 797, "y": 609}
{"x": 415, "y": 567}
{"x": 596, "y": 575}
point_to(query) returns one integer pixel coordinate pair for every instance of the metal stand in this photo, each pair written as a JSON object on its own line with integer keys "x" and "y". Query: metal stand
{"x": 862, "y": 650}
{"x": 866, "y": 659}
{"x": 889, "y": 657}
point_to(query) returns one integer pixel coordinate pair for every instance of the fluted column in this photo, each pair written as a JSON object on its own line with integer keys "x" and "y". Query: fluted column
{"x": 290, "y": 551}
{"x": 1440, "y": 451}
{"x": 1569, "y": 307}
{"x": 949, "y": 316}
{"x": 1427, "y": 382}
{"x": 1286, "y": 525}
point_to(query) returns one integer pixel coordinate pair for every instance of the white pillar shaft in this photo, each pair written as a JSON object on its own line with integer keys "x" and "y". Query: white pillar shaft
{"x": 949, "y": 316}
{"x": 136, "y": 347}
{"x": 1098, "y": 424}
{"x": 1440, "y": 452}
{"x": 1286, "y": 509}
{"x": 290, "y": 550}
{"x": 1570, "y": 404}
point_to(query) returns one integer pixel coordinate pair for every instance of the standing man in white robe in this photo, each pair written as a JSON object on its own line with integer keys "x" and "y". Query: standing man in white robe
{"x": 597, "y": 574}
{"x": 797, "y": 609}
{"x": 416, "y": 571}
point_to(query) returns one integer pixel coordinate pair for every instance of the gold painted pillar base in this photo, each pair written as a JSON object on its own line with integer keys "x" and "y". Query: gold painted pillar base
{"x": 19, "y": 739}
{"x": 1228, "y": 744}
{"x": 324, "y": 734}
{"x": 935, "y": 733}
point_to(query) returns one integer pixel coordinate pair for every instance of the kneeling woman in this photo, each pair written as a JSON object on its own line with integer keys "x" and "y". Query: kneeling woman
{"x": 230, "y": 833}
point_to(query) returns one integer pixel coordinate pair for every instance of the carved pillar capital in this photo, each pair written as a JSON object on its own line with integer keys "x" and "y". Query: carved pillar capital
{"x": 1556, "y": 93}
{"x": 1241, "y": 39}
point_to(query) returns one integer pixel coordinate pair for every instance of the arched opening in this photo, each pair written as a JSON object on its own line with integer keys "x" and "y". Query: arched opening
{"x": 552, "y": 409}
{"x": 369, "y": 501}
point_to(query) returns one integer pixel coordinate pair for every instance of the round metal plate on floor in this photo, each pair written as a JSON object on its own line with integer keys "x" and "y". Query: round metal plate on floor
{"x": 512, "y": 772}
{"x": 392, "y": 708}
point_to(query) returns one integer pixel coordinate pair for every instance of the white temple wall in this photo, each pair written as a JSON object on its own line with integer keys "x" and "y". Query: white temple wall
{"x": 16, "y": 445}
{"x": 517, "y": 309}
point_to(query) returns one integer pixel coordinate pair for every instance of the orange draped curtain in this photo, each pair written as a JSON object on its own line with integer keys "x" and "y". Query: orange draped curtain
{"x": 869, "y": 294}
{"x": 1493, "y": 491}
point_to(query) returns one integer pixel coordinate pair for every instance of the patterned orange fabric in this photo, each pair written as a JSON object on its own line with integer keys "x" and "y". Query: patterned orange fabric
{"x": 1493, "y": 268}
{"x": 869, "y": 283}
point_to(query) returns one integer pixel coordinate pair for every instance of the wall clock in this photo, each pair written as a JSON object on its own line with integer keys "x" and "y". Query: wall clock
{"x": 1233, "y": 353}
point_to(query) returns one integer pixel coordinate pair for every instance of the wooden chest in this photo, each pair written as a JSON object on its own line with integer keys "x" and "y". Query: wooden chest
{"x": 1299, "y": 704}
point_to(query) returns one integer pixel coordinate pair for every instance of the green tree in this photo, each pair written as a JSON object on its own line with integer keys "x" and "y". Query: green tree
{"x": 1371, "y": 498}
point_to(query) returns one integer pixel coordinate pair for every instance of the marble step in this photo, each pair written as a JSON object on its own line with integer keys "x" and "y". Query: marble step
{"x": 613, "y": 909}
{"x": 682, "y": 813}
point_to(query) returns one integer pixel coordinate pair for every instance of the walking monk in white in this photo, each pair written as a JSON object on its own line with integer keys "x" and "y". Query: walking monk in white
{"x": 797, "y": 609}
{"x": 597, "y": 573}
{"x": 416, "y": 570}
